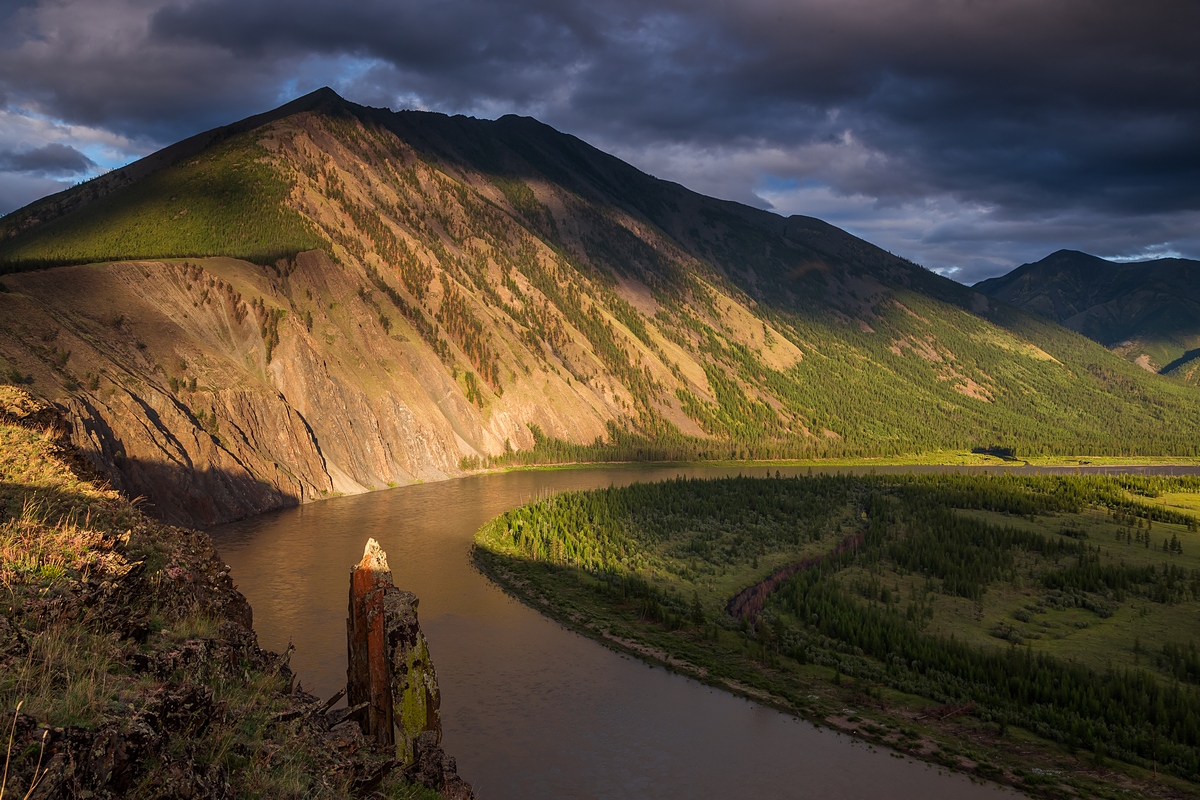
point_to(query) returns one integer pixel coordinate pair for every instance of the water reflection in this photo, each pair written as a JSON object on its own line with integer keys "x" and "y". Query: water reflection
{"x": 530, "y": 709}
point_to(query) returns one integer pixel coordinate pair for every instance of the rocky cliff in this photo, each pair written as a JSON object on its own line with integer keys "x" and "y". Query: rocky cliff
{"x": 206, "y": 388}
{"x": 129, "y": 665}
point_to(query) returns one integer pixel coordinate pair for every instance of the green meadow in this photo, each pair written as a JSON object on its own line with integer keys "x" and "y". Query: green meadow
{"x": 226, "y": 201}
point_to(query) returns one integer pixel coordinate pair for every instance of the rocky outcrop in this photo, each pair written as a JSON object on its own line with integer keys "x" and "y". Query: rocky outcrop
{"x": 130, "y": 668}
{"x": 391, "y": 684}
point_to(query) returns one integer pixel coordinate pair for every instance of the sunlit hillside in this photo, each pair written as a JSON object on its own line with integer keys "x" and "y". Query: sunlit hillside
{"x": 338, "y": 298}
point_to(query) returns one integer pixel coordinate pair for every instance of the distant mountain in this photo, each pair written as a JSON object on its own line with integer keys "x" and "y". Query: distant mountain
{"x": 330, "y": 299}
{"x": 1148, "y": 311}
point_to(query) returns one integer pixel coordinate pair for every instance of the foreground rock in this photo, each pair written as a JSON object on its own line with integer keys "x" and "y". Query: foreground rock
{"x": 128, "y": 664}
{"x": 391, "y": 685}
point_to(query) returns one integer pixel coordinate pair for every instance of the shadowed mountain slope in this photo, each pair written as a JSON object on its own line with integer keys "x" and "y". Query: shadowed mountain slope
{"x": 331, "y": 298}
{"x": 1147, "y": 311}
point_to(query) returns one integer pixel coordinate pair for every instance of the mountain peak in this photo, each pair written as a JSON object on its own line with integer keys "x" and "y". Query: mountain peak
{"x": 1145, "y": 310}
{"x": 467, "y": 289}
{"x": 321, "y": 99}
{"x": 1066, "y": 254}
{"x": 54, "y": 206}
{"x": 325, "y": 93}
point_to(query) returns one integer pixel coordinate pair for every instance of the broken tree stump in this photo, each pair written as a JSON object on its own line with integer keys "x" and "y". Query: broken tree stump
{"x": 388, "y": 665}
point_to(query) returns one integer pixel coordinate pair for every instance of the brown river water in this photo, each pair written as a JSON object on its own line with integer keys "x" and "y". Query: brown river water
{"x": 529, "y": 708}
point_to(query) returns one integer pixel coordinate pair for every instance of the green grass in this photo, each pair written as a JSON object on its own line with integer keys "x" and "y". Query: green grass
{"x": 1137, "y": 629}
{"x": 651, "y": 569}
{"x": 227, "y": 201}
{"x": 937, "y": 458}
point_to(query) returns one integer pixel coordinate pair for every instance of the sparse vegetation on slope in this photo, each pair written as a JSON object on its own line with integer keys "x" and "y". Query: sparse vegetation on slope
{"x": 1148, "y": 312}
{"x": 853, "y": 345}
{"x": 529, "y": 299}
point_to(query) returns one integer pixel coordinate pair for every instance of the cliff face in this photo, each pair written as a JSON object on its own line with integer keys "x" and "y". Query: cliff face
{"x": 451, "y": 285}
{"x": 166, "y": 383}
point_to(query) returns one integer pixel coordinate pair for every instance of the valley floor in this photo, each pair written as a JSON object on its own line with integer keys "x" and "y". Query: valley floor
{"x": 940, "y": 458}
{"x": 652, "y": 570}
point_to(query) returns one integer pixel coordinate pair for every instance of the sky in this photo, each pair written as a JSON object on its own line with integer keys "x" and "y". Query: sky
{"x": 970, "y": 136}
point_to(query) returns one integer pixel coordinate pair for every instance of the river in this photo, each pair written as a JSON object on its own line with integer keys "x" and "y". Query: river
{"x": 529, "y": 708}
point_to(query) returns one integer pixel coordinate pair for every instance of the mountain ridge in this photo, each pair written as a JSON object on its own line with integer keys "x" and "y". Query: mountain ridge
{"x": 53, "y": 206}
{"x": 1147, "y": 311}
{"x": 343, "y": 298}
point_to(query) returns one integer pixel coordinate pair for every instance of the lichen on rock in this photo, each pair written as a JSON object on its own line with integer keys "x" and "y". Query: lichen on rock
{"x": 416, "y": 698}
{"x": 390, "y": 678}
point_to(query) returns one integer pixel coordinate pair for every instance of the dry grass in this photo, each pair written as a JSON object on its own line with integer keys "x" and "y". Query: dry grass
{"x": 68, "y": 676}
{"x": 32, "y": 550}
{"x": 38, "y": 772}
{"x": 52, "y": 524}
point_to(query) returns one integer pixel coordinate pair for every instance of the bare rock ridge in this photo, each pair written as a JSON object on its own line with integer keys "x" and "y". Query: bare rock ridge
{"x": 391, "y": 685}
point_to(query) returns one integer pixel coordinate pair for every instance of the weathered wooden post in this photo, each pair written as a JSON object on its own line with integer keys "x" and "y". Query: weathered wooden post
{"x": 388, "y": 665}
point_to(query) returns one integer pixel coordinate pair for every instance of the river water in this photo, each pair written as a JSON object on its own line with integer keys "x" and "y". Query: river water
{"x": 529, "y": 708}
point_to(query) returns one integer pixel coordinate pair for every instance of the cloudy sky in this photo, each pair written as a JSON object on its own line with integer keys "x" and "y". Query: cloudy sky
{"x": 967, "y": 135}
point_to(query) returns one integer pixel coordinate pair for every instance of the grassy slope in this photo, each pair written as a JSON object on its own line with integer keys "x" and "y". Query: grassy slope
{"x": 225, "y": 201}
{"x": 1076, "y": 633}
{"x": 1145, "y": 310}
{"x": 705, "y": 560}
{"x": 1187, "y": 370}
{"x": 102, "y": 608}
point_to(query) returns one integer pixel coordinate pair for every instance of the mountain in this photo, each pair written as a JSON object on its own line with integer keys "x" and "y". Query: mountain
{"x": 330, "y": 298}
{"x": 1147, "y": 311}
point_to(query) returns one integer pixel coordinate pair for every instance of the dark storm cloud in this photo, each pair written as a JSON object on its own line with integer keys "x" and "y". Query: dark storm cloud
{"x": 52, "y": 159}
{"x": 1024, "y": 104}
{"x": 965, "y": 130}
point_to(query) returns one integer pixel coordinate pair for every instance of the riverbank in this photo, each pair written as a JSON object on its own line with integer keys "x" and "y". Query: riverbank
{"x": 129, "y": 666}
{"x": 948, "y": 458}
{"x": 670, "y": 611}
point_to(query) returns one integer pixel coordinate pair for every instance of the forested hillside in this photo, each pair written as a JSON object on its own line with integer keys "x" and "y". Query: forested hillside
{"x": 997, "y": 625}
{"x": 1147, "y": 311}
{"x": 332, "y": 298}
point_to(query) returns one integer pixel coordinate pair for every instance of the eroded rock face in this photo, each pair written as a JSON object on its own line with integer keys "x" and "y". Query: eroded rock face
{"x": 164, "y": 376}
{"x": 391, "y": 683}
{"x": 416, "y": 698}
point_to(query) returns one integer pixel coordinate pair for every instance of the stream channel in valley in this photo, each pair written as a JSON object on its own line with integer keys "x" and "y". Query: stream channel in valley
{"x": 530, "y": 709}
